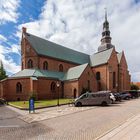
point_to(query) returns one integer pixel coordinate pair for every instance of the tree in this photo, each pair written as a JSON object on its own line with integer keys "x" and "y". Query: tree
{"x": 134, "y": 87}
{"x": 2, "y": 72}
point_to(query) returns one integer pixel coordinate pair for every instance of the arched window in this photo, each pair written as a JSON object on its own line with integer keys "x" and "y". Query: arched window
{"x": 30, "y": 63}
{"x": 45, "y": 65}
{"x": 53, "y": 86}
{"x": 98, "y": 76}
{"x": 18, "y": 87}
{"x": 61, "y": 68}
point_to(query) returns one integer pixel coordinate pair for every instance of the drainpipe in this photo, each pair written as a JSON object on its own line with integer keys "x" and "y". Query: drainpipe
{"x": 118, "y": 88}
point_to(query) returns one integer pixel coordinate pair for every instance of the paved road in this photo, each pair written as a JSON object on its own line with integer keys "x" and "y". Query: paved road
{"x": 84, "y": 125}
{"x": 13, "y": 128}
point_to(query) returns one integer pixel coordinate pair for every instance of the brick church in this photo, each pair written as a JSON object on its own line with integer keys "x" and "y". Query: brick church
{"x": 51, "y": 70}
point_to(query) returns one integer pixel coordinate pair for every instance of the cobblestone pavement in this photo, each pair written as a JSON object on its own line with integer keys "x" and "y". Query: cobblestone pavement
{"x": 59, "y": 111}
{"x": 82, "y": 125}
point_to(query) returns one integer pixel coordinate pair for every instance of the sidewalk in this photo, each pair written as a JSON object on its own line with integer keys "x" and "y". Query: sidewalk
{"x": 48, "y": 113}
{"x": 130, "y": 130}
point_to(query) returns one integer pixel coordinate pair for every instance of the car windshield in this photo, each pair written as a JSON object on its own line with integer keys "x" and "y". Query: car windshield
{"x": 84, "y": 96}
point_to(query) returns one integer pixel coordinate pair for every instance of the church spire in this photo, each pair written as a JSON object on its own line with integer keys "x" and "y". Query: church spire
{"x": 106, "y": 33}
{"x": 105, "y": 14}
{"x": 106, "y": 39}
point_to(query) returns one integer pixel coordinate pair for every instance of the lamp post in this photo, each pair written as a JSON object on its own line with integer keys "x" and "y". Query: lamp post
{"x": 57, "y": 84}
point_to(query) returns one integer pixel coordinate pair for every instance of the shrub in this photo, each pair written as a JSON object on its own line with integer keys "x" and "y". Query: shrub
{"x": 33, "y": 95}
{"x": 134, "y": 87}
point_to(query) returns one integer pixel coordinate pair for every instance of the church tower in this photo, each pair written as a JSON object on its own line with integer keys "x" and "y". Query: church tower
{"x": 106, "y": 39}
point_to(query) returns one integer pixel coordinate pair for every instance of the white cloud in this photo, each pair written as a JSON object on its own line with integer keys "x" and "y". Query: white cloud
{"x": 78, "y": 25}
{"x": 8, "y": 10}
{"x": 15, "y": 49}
{"x": 2, "y": 38}
{"x": 135, "y": 76}
{"x": 9, "y": 64}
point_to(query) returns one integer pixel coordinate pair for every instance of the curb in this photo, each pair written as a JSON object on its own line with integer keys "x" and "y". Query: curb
{"x": 22, "y": 108}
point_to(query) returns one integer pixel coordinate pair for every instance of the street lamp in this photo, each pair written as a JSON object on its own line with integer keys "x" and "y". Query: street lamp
{"x": 58, "y": 85}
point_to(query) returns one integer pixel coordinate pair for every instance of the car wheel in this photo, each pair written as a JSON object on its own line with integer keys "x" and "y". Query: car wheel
{"x": 104, "y": 103}
{"x": 79, "y": 104}
{"x": 127, "y": 98}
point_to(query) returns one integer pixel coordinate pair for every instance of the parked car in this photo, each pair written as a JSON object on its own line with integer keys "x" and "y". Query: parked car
{"x": 134, "y": 93}
{"x": 125, "y": 95}
{"x": 118, "y": 97}
{"x": 2, "y": 101}
{"x": 112, "y": 97}
{"x": 94, "y": 98}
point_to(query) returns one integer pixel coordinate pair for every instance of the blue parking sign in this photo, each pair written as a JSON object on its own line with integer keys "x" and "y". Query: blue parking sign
{"x": 31, "y": 105}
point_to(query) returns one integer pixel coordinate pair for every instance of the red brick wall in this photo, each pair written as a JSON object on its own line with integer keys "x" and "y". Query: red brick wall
{"x": 86, "y": 76}
{"x": 9, "y": 89}
{"x": 106, "y": 72}
{"x": 44, "y": 89}
{"x": 113, "y": 67}
{"x": 53, "y": 64}
{"x": 69, "y": 87}
{"x": 27, "y": 53}
{"x": 103, "y": 75}
{"x": 124, "y": 75}
{"x": 79, "y": 84}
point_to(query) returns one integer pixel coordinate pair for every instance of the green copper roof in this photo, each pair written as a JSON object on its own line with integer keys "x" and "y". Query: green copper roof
{"x": 47, "y": 48}
{"x": 38, "y": 73}
{"x": 100, "y": 57}
{"x": 24, "y": 73}
{"x": 75, "y": 72}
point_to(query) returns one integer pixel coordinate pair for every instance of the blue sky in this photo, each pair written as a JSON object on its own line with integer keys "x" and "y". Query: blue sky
{"x": 76, "y": 24}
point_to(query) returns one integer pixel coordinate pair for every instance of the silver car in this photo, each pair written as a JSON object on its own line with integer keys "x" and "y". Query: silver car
{"x": 94, "y": 98}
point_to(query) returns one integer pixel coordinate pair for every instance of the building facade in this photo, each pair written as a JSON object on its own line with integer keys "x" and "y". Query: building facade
{"x": 51, "y": 70}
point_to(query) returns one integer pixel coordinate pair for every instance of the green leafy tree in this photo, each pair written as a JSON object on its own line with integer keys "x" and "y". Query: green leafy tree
{"x": 2, "y": 72}
{"x": 134, "y": 87}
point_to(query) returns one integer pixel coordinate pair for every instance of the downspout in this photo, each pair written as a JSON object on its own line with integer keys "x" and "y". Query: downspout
{"x": 118, "y": 88}
{"x": 106, "y": 77}
{"x": 62, "y": 88}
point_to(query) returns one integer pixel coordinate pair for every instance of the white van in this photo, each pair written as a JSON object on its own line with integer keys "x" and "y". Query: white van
{"x": 94, "y": 98}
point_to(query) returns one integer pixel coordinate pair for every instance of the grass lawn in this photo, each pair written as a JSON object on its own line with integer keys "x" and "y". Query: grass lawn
{"x": 41, "y": 103}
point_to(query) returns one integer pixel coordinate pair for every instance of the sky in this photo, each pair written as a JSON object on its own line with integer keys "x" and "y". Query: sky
{"x": 76, "y": 24}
